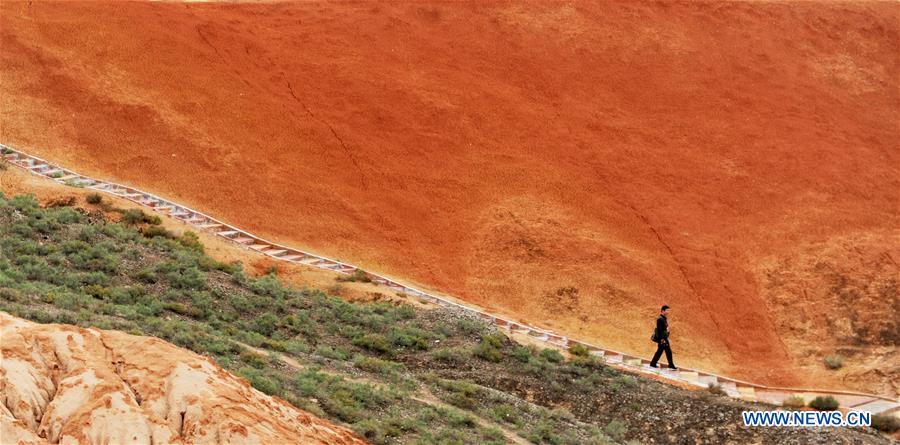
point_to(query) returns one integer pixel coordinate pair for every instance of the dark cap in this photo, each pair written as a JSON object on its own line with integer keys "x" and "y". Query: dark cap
{"x": 664, "y": 307}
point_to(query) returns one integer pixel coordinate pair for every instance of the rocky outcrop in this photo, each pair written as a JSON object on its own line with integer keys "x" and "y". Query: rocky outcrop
{"x": 64, "y": 384}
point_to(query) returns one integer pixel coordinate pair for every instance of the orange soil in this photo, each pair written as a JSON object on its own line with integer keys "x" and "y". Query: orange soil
{"x": 571, "y": 165}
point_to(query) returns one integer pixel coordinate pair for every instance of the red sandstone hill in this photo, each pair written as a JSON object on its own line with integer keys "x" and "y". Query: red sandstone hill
{"x": 68, "y": 385}
{"x": 573, "y": 165}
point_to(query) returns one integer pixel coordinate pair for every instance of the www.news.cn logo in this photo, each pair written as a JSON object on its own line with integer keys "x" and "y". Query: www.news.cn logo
{"x": 806, "y": 418}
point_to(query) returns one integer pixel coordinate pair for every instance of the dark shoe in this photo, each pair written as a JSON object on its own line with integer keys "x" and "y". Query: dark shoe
{"x": 654, "y": 365}
{"x": 673, "y": 367}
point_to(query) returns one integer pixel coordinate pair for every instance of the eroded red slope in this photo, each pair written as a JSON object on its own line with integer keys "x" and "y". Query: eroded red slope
{"x": 571, "y": 165}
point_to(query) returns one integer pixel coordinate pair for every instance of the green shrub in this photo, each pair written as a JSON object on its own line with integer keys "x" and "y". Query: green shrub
{"x": 357, "y": 275}
{"x": 149, "y": 309}
{"x": 96, "y": 258}
{"x": 22, "y": 230}
{"x": 373, "y": 342}
{"x": 43, "y": 225}
{"x": 625, "y": 380}
{"x": 453, "y": 356}
{"x": 262, "y": 382}
{"x": 579, "y": 350}
{"x": 133, "y": 217}
{"x": 97, "y": 291}
{"x": 253, "y": 359}
{"x": 460, "y": 419}
{"x": 334, "y": 353}
{"x": 506, "y": 413}
{"x": 25, "y": 203}
{"x": 36, "y": 268}
{"x": 461, "y": 394}
{"x": 409, "y": 337}
{"x": 93, "y": 198}
{"x": 468, "y": 326}
{"x": 191, "y": 241}
{"x": 591, "y": 362}
{"x": 268, "y": 286}
{"x": 183, "y": 309}
{"x": 552, "y": 355}
{"x": 88, "y": 233}
{"x": 220, "y": 347}
{"x": 489, "y": 348}
{"x": 544, "y": 431}
{"x": 378, "y": 432}
{"x": 827, "y": 403}
{"x": 616, "y": 429}
{"x": 127, "y": 295}
{"x": 186, "y": 277}
{"x": 66, "y": 215}
{"x": 157, "y": 231}
{"x": 146, "y": 275}
{"x": 376, "y": 365}
{"x": 794, "y": 402}
{"x": 265, "y": 324}
{"x": 834, "y": 362}
{"x": 119, "y": 232}
{"x": 886, "y": 423}
{"x": 296, "y": 347}
{"x": 274, "y": 345}
{"x": 68, "y": 301}
{"x": 521, "y": 354}
{"x": 12, "y": 295}
{"x": 536, "y": 366}
{"x": 402, "y": 312}
{"x": 74, "y": 246}
{"x": 153, "y": 220}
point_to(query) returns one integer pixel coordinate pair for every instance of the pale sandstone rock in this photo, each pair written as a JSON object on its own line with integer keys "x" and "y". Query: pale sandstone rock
{"x": 68, "y": 385}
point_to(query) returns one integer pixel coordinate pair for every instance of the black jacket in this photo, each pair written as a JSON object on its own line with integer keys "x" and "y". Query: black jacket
{"x": 662, "y": 328}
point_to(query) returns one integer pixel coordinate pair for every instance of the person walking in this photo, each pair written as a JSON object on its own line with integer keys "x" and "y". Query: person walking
{"x": 661, "y": 337}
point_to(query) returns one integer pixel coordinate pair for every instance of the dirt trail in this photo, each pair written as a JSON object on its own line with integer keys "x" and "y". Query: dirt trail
{"x": 570, "y": 165}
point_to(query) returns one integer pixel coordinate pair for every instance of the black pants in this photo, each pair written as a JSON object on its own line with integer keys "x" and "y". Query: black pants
{"x": 663, "y": 346}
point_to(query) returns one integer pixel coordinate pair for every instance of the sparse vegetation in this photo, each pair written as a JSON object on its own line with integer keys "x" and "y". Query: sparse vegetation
{"x": 490, "y": 347}
{"x": 834, "y": 362}
{"x": 794, "y": 402}
{"x": 377, "y": 365}
{"x": 93, "y": 198}
{"x": 522, "y": 354}
{"x": 886, "y": 423}
{"x": 826, "y": 403}
{"x": 153, "y": 231}
{"x": 716, "y": 390}
{"x": 579, "y": 350}
{"x": 66, "y": 201}
{"x": 454, "y": 356}
{"x": 616, "y": 429}
{"x": 552, "y": 355}
{"x": 358, "y": 275}
{"x": 622, "y": 381}
{"x": 137, "y": 216}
